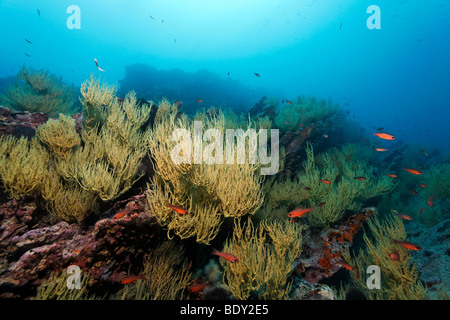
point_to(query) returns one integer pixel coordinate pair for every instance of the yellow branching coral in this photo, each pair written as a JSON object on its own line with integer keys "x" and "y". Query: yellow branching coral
{"x": 56, "y": 288}
{"x": 23, "y": 165}
{"x": 41, "y": 92}
{"x": 59, "y": 136}
{"x": 399, "y": 278}
{"x": 166, "y": 275}
{"x": 209, "y": 191}
{"x": 344, "y": 192}
{"x": 266, "y": 255}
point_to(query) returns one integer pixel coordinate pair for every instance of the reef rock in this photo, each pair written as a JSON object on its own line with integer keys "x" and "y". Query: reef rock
{"x": 108, "y": 250}
{"x": 20, "y": 123}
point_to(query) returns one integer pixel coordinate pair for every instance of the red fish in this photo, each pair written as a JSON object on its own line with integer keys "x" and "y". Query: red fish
{"x": 288, "y": 101}
{"x": 394, "y": 255}
{"x": 381, "y": 149}
{"x": 307, "y": 188}
{"x": 391, "y": 175}
{"x": 413, "y": 191}
{"x": 430, "y": 201}
{"x": 413, "y": 171}
{"x": 404, "y": 216}
{"x": 199, "y": 100}
{"x": 325, "y": 181}
{"x": 120, "y": 214}
{"x": 96, "y": 62}
{"x": 408, "y": 245}
{"x": 197, "y": 287}
{"x": 131, "y": 278}
{"x": 360, "y": 178}
{"x": 226, "y": 256}
{"x": 384, "y": 135}
{"x": 423, "y": 185}
{"x": 346, "y": 265}
{"x": 325, "y": 136}
{"x": 299, "y": 212}
{"x": 321, "y": 204}
{"x": 177, "y": 209}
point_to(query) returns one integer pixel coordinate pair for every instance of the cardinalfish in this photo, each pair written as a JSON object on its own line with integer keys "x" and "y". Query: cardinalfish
{"x": 407, "y": 245}
{"x": 391, "y": 175}
{"x": 430, "y": 201}
{"x": 346, "y": 265}
{"x": 381, "y": 149}
{"x": 120, "y": 214}
{"x": 288, "y": 101}
{"x": 177, "y": 209}
{"x": 413, "y": 191}
{"x": 296, "y": 213}
{"x": 227, "y": 256}
{"x": 394, "y": 255}
{"x": 195, "y": 288}
{"x": 413, "y": 171}
{"x": 403, "y": 216}
{"x": 321, "y": 204}
{"x": 422, "y": 185}
{"x": 360, "y": 178}
{"x": 131, "y": 278}
{"x": 325, "y": 181}
{"x": 199, "y": 100}
{"x": 384, "y": 135}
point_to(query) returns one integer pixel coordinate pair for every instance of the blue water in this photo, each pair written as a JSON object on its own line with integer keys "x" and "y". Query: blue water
{"x": 396, "y": 77}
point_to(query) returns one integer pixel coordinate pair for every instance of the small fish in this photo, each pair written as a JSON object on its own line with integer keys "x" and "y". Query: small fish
{"x": 96, "y": 62}
{"x": 413, "y": 171}
{"x": 325, "y": 181}
{"x": 197, "y": 287}
{"x": 346, "y": 265}
{"x": 28, "y": 41}
{"x": 340, "y": 27}
{"x": 422, "y": 185}
{"x": 285, "y": 122}
{"x": 360, "y": 178}
{"x": 391, "y": 175}
{"x": 177, "y": 209}
{"x": 174, "y": 40}
{"x": 289, "y": 101}
{"x": 321, "y": 204}
{"x": 430, "y": 201}
{"x": 299, "y": 212}
{"x": 380, "y": 129}
{"x": 120, "y": 214}
{"x": 408, "y": 245}
{"x": 394, "y": 255}
{"x": 424, "y": 153}
{"x": 394, "y": 211}
{"x": 151, "y": 17}
{"x": 257, "y": 74}
{"x": 27, "y": 55}
{"x": 131, "y": 278}
{"x": 39, "y": 13}
{"x": 307, "y": 188}
{"x": 420, "y": 211}
{"x": 413, "y": 191}
{"x": 384, "y": 135}
{"x": 325, "y": 136}
{"x": 226, "y": 256}
{"x": 404, "y": 216}
{"x": 199, "y": 100}
{"x": 228, "y": 73}
{"x": 381, "y": 149}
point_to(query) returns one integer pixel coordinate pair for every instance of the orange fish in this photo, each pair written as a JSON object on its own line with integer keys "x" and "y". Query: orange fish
{"x": 226, "y": 256}
{"x": 131, "y": 278}
{"x": 384, "y": 135}
{"x": 408, "y": 245}
{"x": 391, "y": 175}
{"x": 197, "y": 287}
{"x": 394, "y": 255}
{"x": 381, "y": 149}
{"x": 430, "y": 201}
{"x": 321, "y": 204}
{"x": 299, "y": 212}
{"x": 177, "y": 209}
{"x": 120, "y": 214}
{"x": 423, "y": 185}
{"x": 199, "y": 100}
{"x": 346, "y": 265}
{"x": 325, "y": 136}
{"x": 404, "y": 216}
{"x": 288, "y": 101}
{"x": 413, "y": 191}
{"x": 325, "y": 181}
{"x": 307, "y": 188}
{"x": 96, "y": 62}
{"x": 360, "y": 178}
{"x": 413, "y": 171}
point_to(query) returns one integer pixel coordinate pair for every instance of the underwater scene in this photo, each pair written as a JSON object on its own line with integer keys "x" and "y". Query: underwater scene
{"x": 197, "y": 150}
